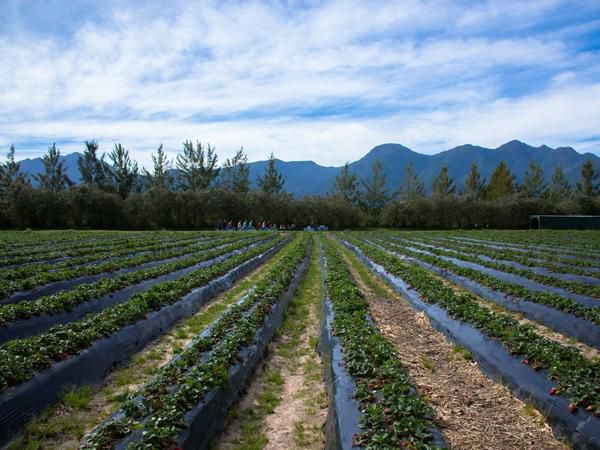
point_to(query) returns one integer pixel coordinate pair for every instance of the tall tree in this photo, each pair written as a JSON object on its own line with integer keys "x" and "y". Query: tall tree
{"x": 235, "y": 173}
{"x": 375, "y": 194}
{"x": 559, "y": 188}
{"x": 411, "y": 186}
{"x": 159, "y": 177}
{"x": 94, "y": 171}
{"x": 587, "y": 186}
{"x": 533, "y": 183}
{"x": 124, "y": 170}
{"x": 474, "y": 184}
{"x": 54, "y": 178}
{"x": 502, "y": 183}
{"x": 272, "y": 181}
{"x": 442, "y": 184}
{"x": 10, "y": 172}
{"x": 197, "y": 166}
{"x": 346, "y": 185}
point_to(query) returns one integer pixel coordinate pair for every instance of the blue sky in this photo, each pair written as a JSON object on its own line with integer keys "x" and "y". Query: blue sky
{"x": 325, "y": 81}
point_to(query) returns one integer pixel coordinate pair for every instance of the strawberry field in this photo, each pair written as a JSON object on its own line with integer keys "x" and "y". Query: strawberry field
{"x": 354, "y": 339}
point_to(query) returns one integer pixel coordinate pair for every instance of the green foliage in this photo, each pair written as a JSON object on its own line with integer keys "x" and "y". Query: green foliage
{"x": 474, "y": 184}
{"x": 346, "y": 185}
{"x": 559, "y": 188}
{"x": 502, "y": 183}
{"x": 375, "y": 194}
{"x": 235, "y": 173}
{"x": 412, "y": 186}
{"x": 533, "y": 183}
{"x": 124, "y": 171}
{"x": 160, "y": 177}
{"x": 272, "y": 181}
{"x": 443, "y": 185}
{"x": 10, "y": 175}
{"x": 589, "y": 175}
{"x": 94, "y": 171}
{"x": 54, "y": 178}
{"x": 197, "y": 167}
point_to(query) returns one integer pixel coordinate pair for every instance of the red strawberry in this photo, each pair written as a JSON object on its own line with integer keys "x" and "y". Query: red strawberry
{"x": 553, "y": 391}
{"x": 572, "y": 408}
{"x": 525, "y": 361}
{"x": 590, "y": 408}
{"x": 387, "y": 410}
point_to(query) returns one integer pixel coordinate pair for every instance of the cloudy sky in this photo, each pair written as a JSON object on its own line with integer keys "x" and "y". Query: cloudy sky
{"x": 325, "y": 81}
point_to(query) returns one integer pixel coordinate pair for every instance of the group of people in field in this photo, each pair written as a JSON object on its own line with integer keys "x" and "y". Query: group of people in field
{"x": 252, "y": 225}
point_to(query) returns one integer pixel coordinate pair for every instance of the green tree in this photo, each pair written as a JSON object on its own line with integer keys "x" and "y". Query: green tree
{"x": 443, "y": 185}
{"x": 474, "y": 184}
{"x": 197, "y": 166}
{"x": 235, "y": 174}
{"x": 159, "y": 177}
{"x": 94, "y": 171}
{"x": 375, "y": 194}
{"x": 10, "y": 172}
{"x": 124, "y": 170}
{"x": 559, "y": 188}
{"x": 502, "y": 183}
{"x": 272, "y": 181}
{"x": 346, "y": 185}
{"x": 533, "y": 182}
{"x": 587, "y": 186}
{"x": 54, "y": 178}
{"x": 412, "y": 186}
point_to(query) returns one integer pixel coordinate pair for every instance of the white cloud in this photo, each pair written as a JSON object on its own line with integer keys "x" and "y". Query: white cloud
{"x": 324, "y": 82}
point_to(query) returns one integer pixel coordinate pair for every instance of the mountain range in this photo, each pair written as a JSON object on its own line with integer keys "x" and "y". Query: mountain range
{"x": 309, "y": 178}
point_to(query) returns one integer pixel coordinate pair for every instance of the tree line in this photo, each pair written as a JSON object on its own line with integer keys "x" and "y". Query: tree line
{"x": 114, "y": 193}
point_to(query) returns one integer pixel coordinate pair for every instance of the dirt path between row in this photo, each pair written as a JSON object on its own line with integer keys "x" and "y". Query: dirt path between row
{"x": 472, "y": 411}
{"x": 285, "y": 405}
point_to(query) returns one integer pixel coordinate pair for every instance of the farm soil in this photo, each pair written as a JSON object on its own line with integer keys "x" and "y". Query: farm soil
{"x": 295, "y": 417}
{"x": 471, "y": 411}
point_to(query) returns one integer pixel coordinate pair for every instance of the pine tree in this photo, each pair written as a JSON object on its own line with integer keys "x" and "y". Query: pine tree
{"x": 559, "y": 188}
{"x": 412, "y": 186}
{"x": 54, "y": 178}
{"x": 235, "y": 174}
{"x": 375, "y": 194}
{"x": 160, "y": 177}
{"x": 124, "y": 171}
{"x": 588, "y": 178}
{"x": 533, "y": 183}
{"x": 197, "y": 166}
{"x": 10, "y": 174}
{"x": 272, "y": 181}
{"x": 502, "y": 183}
{"x": 474, "y": 184}
{"x": 346, "y": 185}
{"x": 443, "y": 185}
{"x": 94, "y": 171}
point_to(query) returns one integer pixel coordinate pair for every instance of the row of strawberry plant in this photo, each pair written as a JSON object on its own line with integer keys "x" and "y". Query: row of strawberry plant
{"x": 575, "y": 287}
{"x": 516, "y": 290}
{"x": 99, "y": 255}
{"x": 42, "y": 278}
{"x": 51, "y": 249}
{"x": 21, "y": 359}
{"x": 578, "y": 377}
{"x": 393, "y": 415}
{"x": 67, "y": 299}
{"x": 577, "y": 239}
{"x": 550, "y": 260}
{"x": 159, "y": 407}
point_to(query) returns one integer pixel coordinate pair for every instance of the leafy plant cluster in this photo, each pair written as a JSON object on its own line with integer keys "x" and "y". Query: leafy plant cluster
{"x": 551, "y": 261}
{"x": 578, "y": 377}
{"x": 67, "y": 299}
{"x": 22, "y": 358}
{"x": 545, "y": 298}
{"x": 160, "y": 405}
{"x": 98, "y": 254}
{"x": 572, "y": 286}
{"x": 394, "y": 416}
{"x": 8, "y": 287}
